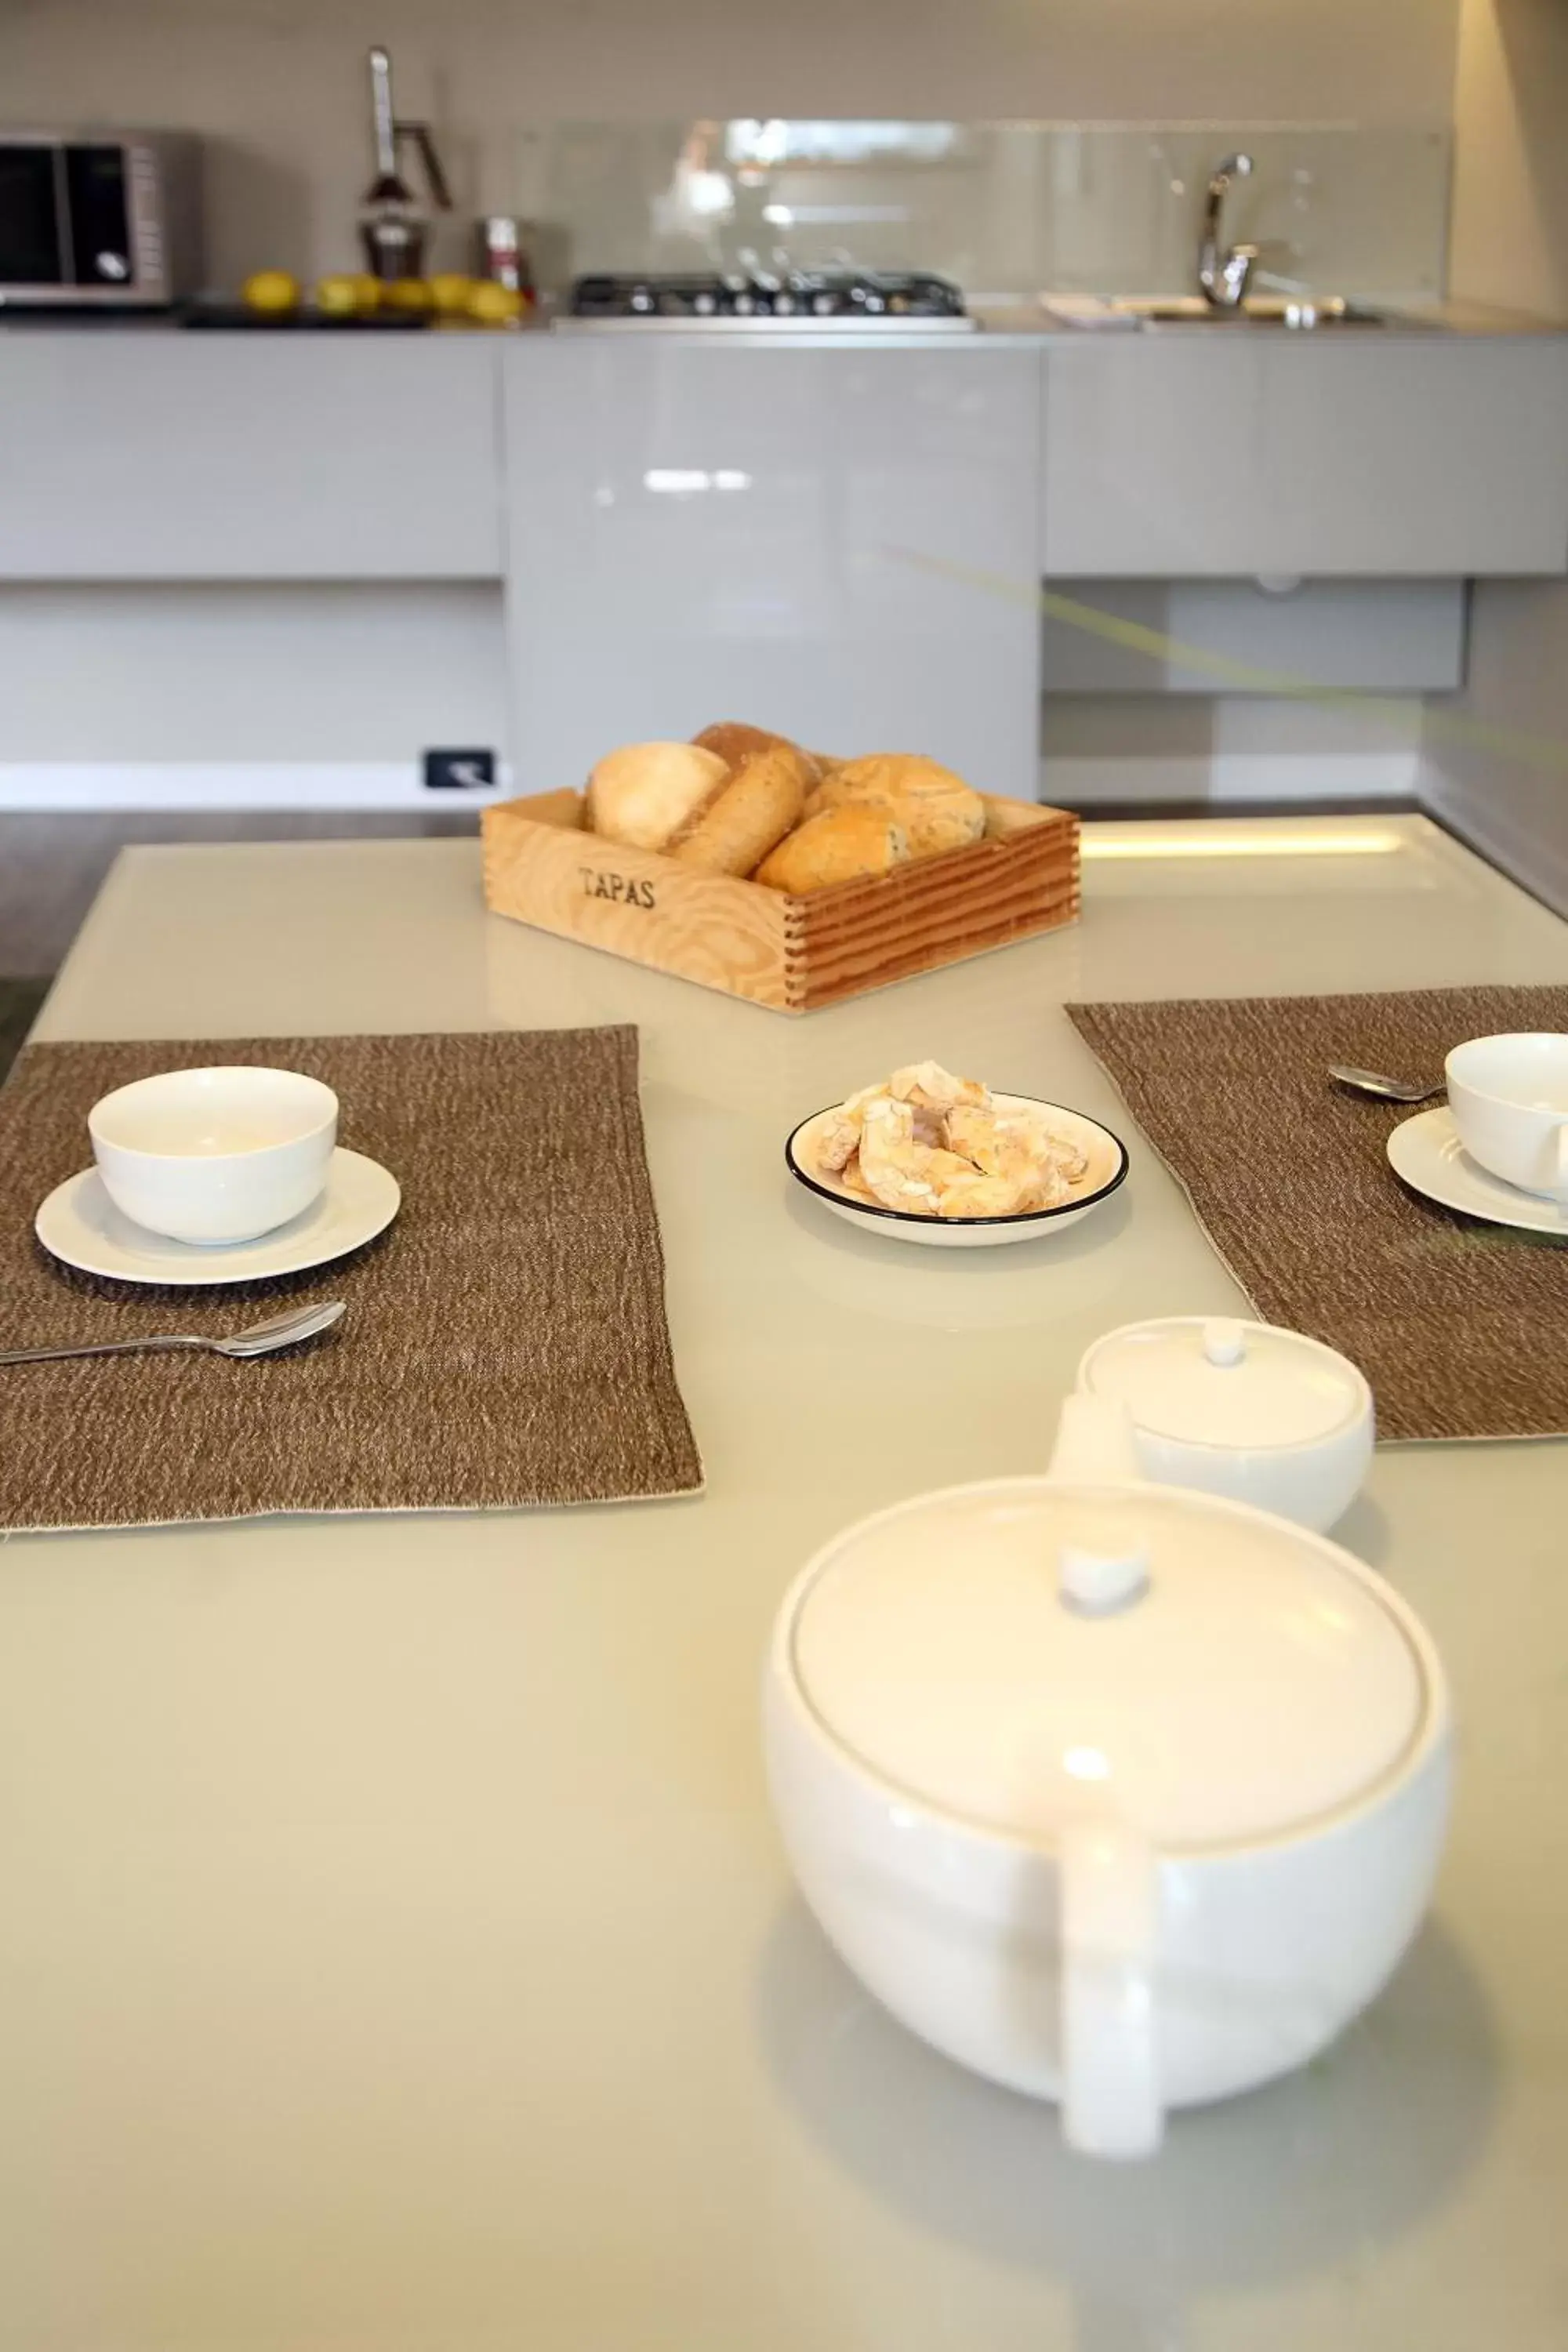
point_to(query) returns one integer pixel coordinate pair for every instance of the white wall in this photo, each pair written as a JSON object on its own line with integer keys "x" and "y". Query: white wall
{"x": 1510, "y": 244}
{"x": 278, "y": 85}
{"x": 1510, "y": 233}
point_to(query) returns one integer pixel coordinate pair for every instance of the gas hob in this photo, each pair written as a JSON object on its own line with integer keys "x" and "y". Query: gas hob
{"x": 881, "y": 302}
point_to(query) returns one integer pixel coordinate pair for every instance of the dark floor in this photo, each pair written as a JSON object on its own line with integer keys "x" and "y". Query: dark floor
{"x": 51, "y": 867}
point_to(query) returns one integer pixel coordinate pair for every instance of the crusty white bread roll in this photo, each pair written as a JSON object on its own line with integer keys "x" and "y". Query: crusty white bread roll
{"x": 736, "y": 743}
{"x": 760, "y": 804}
{"x": 937, "y": 809}
{"x": 645, "y": 793}
{"x": 840, "y": 845}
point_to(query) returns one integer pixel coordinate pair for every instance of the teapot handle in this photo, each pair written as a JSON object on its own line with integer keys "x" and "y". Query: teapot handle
{"x": 1095, "y": 1444}
{"x": 1110, "y": 1937}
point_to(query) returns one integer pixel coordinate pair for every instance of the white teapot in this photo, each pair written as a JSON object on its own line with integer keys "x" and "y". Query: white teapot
{"x": 1126, "y": 1797}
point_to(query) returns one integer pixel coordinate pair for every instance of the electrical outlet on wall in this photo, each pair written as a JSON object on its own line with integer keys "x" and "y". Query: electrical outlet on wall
{"x": 460, "y": 771}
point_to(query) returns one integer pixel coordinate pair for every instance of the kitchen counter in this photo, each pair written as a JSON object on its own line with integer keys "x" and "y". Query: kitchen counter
{"x": 397, "y": 1949}
{"x": 1000, "y": 322}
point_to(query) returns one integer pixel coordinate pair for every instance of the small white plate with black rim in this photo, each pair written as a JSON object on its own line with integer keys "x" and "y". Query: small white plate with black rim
{"x": 80, "y": 1224}
{"x": 1425, "y": 1151}
{"x": 1106, "y": 1171}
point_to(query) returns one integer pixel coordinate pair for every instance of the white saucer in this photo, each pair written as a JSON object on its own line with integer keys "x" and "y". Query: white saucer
{"x": 1106, "y": 1169}
{"x": 79, "y": 1223}
{"x": 1427, "y": 1153}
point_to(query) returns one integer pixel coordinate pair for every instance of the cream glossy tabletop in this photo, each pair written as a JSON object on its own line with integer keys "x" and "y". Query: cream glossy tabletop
{"x": 395, "y": 1952}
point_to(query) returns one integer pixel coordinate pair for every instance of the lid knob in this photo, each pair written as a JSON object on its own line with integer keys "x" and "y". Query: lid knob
{"x": 1095, "y": 1583}
{"x": 1225, "y": 1342}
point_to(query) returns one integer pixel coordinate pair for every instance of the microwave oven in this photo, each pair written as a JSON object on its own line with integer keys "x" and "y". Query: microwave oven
{"x": 106, "y": 218}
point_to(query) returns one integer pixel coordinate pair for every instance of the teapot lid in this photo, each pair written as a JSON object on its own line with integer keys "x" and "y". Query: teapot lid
{"x": 1215, "y": 1380}
{"x": 1027, "y": 1651}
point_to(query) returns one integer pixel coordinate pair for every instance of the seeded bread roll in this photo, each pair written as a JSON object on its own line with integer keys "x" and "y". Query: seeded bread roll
{"x": 755, "y": 810}
{"x": 646, "y": 793}
{"x": 841, "y": 844}
{"x": 936, "y": 808}
{"x": 736, "y": 743}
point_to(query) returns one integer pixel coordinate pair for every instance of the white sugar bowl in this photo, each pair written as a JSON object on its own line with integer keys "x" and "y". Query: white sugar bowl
{"x": 1264, "y": 1415}
{"x": 1124, "y": 1797}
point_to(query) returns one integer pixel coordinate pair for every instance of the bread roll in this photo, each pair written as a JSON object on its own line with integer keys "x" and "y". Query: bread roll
{"x": 841, "y": 844}
{"x": 736, "y": 743}
{"x": 937, "y": 809}
{"x": 643, "y": 794}
{"x": 754, "y": 812}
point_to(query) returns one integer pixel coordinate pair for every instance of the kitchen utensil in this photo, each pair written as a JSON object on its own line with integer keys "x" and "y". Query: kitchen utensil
{"x": 1126, "y": 1797}
{"x": 1265, "y": 1416}
{"x": 80, "y": 1224}
{"x": 257, "y": 1339}
{"x": 214, "y": 1155}
{"x": 392, "y": 225}
{"x": 1510, "y": 1100}
{"x": 1428, "y": 1154}
{"x": 1372, "y": 1082}
{"x": 1107, "y": 1171}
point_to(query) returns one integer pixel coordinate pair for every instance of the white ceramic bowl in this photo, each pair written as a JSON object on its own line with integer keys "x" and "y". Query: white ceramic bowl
{"x": 1509, "y": 1096}
{"x": 214, "y": 1155}
{"x": 1106, "y": 1170}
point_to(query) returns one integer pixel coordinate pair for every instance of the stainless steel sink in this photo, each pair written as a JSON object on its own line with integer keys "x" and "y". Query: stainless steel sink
{"x": 1289, "y": 314}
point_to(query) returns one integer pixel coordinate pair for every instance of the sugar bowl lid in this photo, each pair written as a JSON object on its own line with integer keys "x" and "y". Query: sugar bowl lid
{"x": 1215, "y": 1380}
{"x": 1019, "y": 1653}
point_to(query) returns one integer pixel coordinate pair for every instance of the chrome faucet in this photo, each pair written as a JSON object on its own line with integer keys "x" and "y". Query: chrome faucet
{"x": 1224, "y": 281}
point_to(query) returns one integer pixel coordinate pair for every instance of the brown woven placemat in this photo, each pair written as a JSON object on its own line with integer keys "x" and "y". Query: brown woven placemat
{"x": 505, "y": 1342}
{"x": 1461, "y": 1328}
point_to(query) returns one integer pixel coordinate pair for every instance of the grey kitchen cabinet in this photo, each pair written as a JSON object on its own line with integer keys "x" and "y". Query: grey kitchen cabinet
{"x": 841, "y": 544}
{"x": 248, "y": 456}
{"x": 1227, "y": 451}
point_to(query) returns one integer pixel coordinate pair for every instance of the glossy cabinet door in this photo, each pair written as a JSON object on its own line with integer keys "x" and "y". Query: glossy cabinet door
{"x": 132, "y": 455}
{"x": 1227, "y": 451}
{"x": 838, "y": 543}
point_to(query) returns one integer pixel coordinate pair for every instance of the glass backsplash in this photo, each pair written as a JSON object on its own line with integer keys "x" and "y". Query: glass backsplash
{"x": 1004, "y": 208}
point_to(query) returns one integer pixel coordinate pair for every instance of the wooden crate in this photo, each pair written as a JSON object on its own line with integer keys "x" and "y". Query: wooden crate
{"x": 790, "y": 954}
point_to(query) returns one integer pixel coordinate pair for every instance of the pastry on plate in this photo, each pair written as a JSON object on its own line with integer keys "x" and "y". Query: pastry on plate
{"x": 933, "y": 1145}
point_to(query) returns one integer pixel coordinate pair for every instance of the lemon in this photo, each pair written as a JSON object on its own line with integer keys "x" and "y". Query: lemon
{"x": 449, "y": 291}
{"x": 406, "y": 294}
{"x": 337, "y": 296}
{"x": 367, "y": 290}
{"x": 496, "y": 306}
{"x": 271, "y": 289}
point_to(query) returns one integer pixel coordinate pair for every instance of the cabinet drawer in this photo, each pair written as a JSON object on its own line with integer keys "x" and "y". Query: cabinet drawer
{"x": 1182, "y": 456}
{"x": 129, "y": 455}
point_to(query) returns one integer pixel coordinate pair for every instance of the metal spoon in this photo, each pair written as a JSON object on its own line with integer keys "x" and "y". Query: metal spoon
{"x": 259, "y": 1339}
{"x": 1372, "y": 1082}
